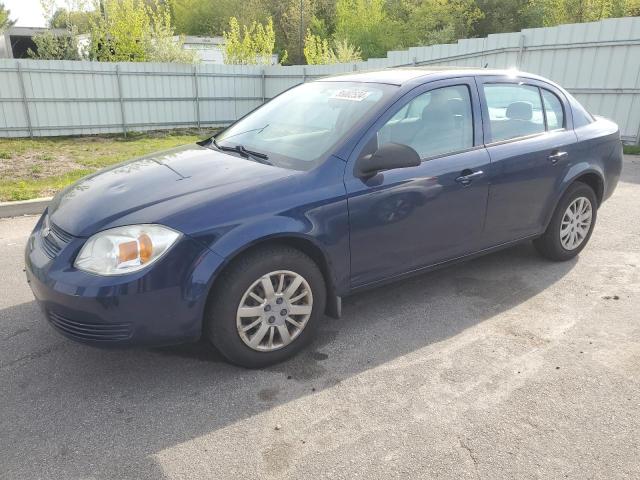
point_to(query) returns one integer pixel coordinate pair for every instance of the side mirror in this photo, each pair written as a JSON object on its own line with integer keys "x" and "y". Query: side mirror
{"x": 387, "y": 157}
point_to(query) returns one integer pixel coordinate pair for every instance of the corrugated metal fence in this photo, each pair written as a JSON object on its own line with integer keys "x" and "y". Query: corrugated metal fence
{"x": 598, "y": 62}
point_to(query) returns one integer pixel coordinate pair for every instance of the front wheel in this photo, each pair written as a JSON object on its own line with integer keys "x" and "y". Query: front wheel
{"x": 265, "y": 307}
{"x": 571, "y": 225}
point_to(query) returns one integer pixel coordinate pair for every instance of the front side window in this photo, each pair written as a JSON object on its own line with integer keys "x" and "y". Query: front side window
{"x": 434, "y": 123}
{"x": 299, "y": 128}
{"x": 515, "y": 110}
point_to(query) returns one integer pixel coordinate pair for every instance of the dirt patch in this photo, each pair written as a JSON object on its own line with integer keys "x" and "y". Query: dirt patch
{"x": 34, "y": 165}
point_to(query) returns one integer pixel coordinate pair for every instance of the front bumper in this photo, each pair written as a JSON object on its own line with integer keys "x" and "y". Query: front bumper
{"x": 159, "y": 306}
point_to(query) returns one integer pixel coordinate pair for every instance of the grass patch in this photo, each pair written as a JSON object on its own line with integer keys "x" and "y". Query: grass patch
{"x": 26, "y": 190}
{"x": 32, "y": 168}
{"x": 631, "y": 149}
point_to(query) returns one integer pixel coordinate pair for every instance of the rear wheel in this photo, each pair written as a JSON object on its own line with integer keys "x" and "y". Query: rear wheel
{"x": 265, "y": 307}
{"x": 571, "y": 225}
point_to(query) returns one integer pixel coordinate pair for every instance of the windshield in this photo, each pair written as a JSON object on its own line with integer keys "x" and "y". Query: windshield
{"x": 299, "y": 128}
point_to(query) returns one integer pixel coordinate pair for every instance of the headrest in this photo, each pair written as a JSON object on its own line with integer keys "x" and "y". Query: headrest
{"x": 456, "y": 106}
{"x": 436, "y": 109}
{"x": 520, "y": 111}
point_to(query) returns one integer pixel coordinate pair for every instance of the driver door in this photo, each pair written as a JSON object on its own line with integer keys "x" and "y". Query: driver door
{"x": 410, "y": 218}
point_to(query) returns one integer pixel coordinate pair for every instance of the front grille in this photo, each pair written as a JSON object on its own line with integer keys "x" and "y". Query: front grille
{"x": 50, "y": 246}
{"x": 107, "y": 332}
{"x": 61, "y": 234}
{"x": 56, "y": 239}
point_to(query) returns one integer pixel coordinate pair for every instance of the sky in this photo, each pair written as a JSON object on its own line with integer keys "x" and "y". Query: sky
{"x": 28, "y": 13}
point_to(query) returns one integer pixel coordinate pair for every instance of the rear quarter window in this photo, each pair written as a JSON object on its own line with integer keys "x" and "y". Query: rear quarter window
{"x": 580, "y": 115}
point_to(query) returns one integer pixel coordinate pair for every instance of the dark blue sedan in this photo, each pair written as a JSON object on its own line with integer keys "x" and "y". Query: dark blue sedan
{"x": 334, "y": 186}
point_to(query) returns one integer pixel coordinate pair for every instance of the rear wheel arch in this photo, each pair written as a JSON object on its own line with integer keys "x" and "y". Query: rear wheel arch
{"x": 594, "y": 181}
{"x": 590, "y": 178}
{"x": 551, "y": 243}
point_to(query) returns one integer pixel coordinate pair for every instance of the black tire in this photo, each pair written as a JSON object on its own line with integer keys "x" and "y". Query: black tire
{"x": 220, "y": 316}
{"x": 549, "y": 244}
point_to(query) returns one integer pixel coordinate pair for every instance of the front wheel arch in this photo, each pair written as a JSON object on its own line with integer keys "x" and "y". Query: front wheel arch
{"x": 222, "y": 320}
{"x": 304, "y": 245}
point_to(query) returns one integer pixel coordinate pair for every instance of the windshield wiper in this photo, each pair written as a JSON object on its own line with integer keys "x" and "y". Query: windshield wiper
{"x": 240, "y": 149}
{"x": 259, "y": 130}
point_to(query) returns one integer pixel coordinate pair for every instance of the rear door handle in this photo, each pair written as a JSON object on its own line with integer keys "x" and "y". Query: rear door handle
{"x": 554, "y": 157}
{"x": 468, "y": 178}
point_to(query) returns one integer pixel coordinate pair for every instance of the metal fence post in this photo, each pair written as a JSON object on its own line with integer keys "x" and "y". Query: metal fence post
{"x": 124, "y": 122}
{"x": 304, "y": 74}
{"x": 637, "y": 80}
{"x": 520, "y": 52}
{"x": 264, "y": 86}
{"x": 196, "y": 95}
{"x": 25, "y": 101}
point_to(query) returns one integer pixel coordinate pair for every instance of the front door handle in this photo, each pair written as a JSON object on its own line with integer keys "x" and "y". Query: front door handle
{"x": 555, "y": 156}
{"x": 467, "y": 178}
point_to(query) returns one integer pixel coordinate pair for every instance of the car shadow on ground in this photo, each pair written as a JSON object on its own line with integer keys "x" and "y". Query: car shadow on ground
{"x": 629, "y": 173}
{"x": 129, "y": 405}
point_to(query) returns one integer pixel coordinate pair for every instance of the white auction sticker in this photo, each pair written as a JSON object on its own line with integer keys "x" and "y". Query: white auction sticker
{"x": 351, "y": 94}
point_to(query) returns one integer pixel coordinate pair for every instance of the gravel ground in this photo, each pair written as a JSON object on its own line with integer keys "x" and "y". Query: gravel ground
{"x": 504, "y": 367}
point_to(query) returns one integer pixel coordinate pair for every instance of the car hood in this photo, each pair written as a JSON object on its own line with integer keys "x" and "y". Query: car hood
{"x": 160, "y": 180}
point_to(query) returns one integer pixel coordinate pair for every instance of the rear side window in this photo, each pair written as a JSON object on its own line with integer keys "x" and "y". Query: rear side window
{"x": 553, "y": 109}
{"x": 515, "y": 110}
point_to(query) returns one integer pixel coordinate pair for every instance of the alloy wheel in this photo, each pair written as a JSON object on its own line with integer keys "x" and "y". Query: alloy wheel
{"x": 274, "y": 310}
{"x": 576, "y": 223}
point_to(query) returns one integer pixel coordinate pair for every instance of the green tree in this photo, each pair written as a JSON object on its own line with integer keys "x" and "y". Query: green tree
{"x": 364, "y": 23}
{"x": 345, "y": 52}
{"x": 439, "y": 21}
{"x": 162, "y": 45}
{"x": 68, "y": 19}
{"x": 50, "y": 46}
{"x": 325, "y": 15}
{"x": 121, "y": 33}
{"x": 555, "y": 12}
{"x": 135, "y": 31}
{"x": 503, "y": 16}
{"x": 317, "y": 51}
{"x": 632, "y": 8}
{"x": 251, "y": 45}
{"x": 5, "y": 20}
{"x": 203, "y": 17}
{"x": 54, "y": 47}
{"x": 296, "y": 18}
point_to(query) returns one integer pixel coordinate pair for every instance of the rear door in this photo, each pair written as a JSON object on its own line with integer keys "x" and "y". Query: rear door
{"x": 530, "y": 139}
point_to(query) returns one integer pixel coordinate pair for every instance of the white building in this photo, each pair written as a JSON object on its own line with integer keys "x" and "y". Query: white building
{"x": 211, "y": 49}
{"x": 15, "y": 42}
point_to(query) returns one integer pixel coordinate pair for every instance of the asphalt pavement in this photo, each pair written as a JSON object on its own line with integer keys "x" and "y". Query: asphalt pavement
{"x": 508, "y": 366}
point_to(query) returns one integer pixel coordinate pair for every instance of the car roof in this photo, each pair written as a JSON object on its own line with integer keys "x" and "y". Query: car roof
{"x": 404, "y": 75}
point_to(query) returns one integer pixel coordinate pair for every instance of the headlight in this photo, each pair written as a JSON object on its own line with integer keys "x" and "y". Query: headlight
{"x": 125, "y": 249}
